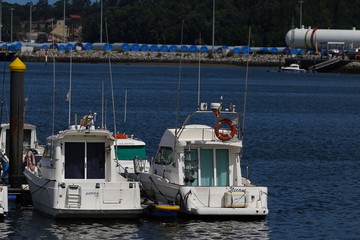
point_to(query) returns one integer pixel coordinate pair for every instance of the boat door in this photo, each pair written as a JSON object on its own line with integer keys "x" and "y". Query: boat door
{"x": 207, "y": 167}
{"x": 84, "y": 160}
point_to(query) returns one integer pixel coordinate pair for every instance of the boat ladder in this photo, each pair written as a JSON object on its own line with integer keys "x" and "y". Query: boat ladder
{"x": 73, "y": 196}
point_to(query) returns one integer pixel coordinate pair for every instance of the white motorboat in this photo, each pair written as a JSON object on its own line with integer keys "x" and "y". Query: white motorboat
{"x": 197, "y": 166}
{"x": 292, "y": 68}
{"x": 30, "y": 141}
{"x": 4, "y": 205}
{"x": 131, "y": 155}
{"x": 77, "y": 177}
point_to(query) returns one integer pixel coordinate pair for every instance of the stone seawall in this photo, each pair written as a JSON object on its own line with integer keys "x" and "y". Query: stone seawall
{"x": 100, "y": 56}
{"x": 152, "y": 57}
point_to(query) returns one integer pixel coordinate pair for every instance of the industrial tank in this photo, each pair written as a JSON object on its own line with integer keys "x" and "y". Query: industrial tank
{"x": 311, "y": 38}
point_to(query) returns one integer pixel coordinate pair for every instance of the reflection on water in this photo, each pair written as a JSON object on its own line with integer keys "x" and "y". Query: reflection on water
{"x": 28, "y": 224}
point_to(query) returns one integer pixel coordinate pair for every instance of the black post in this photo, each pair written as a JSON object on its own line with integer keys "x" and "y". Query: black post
{"x": 17, "y": 69}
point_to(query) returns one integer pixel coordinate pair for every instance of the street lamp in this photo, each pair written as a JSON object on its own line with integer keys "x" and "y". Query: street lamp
{"x": 0, "y": 21}
{"x": 301, "y": 3}
{"x": 213, "y": 30}
{"x": 11, "y": 22}
{"x": 30, "y": 23}
{"x": 101, "y": 19}
{"x": 64, "y": 21}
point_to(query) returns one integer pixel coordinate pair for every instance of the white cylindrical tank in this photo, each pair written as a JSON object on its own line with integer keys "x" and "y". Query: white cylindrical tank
{"x": 311, "y": 38}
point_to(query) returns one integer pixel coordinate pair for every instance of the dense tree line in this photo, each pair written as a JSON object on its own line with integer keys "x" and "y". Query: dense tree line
{"x": 164, "y": 21}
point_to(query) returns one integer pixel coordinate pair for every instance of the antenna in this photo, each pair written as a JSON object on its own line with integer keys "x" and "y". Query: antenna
{"x": 246, "y": 82}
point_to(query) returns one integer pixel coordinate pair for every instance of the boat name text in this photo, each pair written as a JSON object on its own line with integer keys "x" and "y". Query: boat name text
{"x": 232, "y": 189}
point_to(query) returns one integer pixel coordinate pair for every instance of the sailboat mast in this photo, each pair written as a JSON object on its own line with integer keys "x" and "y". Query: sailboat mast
{"x": 68, "y": 97}
{"x": 125, "y": 110}
{"x": 199, "y": 71}
{"x": 102, "y": 105}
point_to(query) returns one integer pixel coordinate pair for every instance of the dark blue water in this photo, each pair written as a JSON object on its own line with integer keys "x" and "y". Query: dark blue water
{"x": 301, "y": 140}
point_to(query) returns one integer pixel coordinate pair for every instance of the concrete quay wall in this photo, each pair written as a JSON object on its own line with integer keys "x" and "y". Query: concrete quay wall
{"x": 100, "y": 56}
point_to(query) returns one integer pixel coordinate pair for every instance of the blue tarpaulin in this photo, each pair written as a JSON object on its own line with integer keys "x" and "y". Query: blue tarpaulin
{"x": 125, "y": 47}
{"x": 245, "y": 50}
{"x": 173, "y": 48}
{"x": 144, "y": 47}
{"x": 154, "y": 48}
{"x": 236, "y": 50}
{"x": 193, "y": 48}
{"x": 287, "y": 51}
{"x": 294, "y": 51}
{"x": 184, "y": 48}
{"x": 274, "y": 50}
{"x": 204, "y": 49}
{"x": 108, "y": 47}
{"x": 69, "y": 47}
{"x": 164, "y": 48}
{"x": 135, "y": 47}
{"x": 88, "y": 46}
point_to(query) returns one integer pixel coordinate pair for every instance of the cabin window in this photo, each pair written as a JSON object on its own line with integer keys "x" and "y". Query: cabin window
{"x": 130, "y": 152}
{"x": 27, "y": 138}
{"x": 84, "y": 160}
{"x": 164, "y": 156}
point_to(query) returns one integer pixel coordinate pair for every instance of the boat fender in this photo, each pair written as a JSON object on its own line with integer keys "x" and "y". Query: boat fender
{"x": 178, "y": 199}
{"x": 225, "y": 136}
{"x": 30, "y": 160}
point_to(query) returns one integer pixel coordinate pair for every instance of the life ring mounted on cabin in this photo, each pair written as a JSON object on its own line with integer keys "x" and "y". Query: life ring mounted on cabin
{"x": 30, "y": 160}
{"x": 225, "y": 136}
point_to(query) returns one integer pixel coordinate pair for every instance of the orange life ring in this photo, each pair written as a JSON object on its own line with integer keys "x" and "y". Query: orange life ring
{"x": 223, "y": 136}
{"x": 30, "y": 161}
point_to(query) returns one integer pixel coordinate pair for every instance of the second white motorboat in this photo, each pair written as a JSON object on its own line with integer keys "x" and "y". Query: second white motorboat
{"x": 197, "y": 166}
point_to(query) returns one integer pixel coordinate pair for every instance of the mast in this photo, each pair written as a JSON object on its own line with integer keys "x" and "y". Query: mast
{"x": 125, "y": 110}
{"x": 68, "y": 95}
{"x": 199, "y": 72}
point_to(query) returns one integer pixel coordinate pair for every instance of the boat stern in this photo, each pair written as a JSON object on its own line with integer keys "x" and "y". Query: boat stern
{"x": 229, "y": 201}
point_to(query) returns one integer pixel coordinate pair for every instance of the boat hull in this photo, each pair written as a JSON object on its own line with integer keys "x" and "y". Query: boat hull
{"x": 208, "y": 201}
{"x": 84, "y": 199}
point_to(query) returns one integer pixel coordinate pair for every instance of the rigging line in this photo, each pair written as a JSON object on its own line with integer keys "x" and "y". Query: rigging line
{"x": 112, "y": 88}
{"x": 111, "y": 79}
{"x": 179, "y": 81}
{"x": 246, "y": 83}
